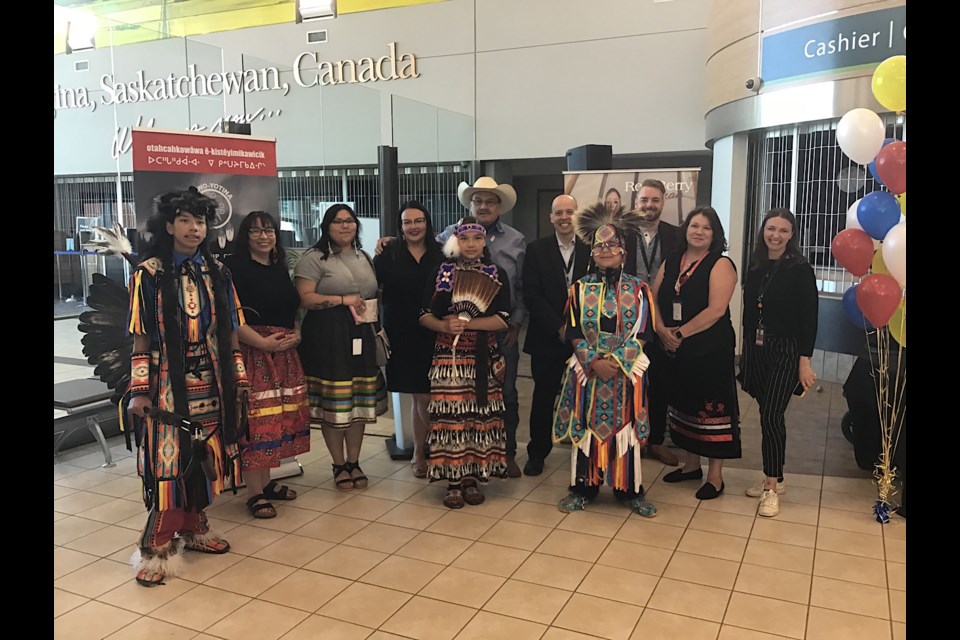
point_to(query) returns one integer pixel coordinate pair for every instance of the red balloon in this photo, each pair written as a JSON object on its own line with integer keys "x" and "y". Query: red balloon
{"x": 853, "y": 249}
{"x": 892, "y": 166}
{"x": 878, "y": 296}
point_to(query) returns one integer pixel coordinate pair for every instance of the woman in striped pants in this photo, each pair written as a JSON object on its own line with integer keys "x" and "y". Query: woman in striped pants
{"x": 779, "y": 331}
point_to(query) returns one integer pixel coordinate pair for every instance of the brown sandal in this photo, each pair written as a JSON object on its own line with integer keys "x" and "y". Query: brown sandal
{"x": 453, "y": 499}
{"x": 419, "y": 469}
{"x": 471, "y": 492}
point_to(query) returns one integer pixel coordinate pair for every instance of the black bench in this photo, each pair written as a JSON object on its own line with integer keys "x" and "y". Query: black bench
{"x": 85, "y": 402}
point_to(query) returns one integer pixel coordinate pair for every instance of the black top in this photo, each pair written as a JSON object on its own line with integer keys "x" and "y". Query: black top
{"x": 267, "y": 294}
{"x": 789, "y": 302}
{"x": 694, "y": 298}
{"x": 403, "y": 280}
{"x": 545, "y": 293}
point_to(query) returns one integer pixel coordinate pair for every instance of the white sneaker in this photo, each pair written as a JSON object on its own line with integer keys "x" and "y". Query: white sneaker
{"x": 757, "y": 490}
{"x": 769, "y": 504}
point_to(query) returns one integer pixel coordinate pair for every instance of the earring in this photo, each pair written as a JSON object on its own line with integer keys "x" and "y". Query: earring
{"x": 356, "y": 249}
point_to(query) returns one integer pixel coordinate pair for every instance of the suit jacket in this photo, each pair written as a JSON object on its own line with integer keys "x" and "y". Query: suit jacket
{"x": 670, "y": 241}
{"x": 545, "y": 293}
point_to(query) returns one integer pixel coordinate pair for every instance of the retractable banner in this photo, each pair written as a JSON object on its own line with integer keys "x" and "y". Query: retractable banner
{"x": 620, "y": 188}
{"x": 239, "y": 172}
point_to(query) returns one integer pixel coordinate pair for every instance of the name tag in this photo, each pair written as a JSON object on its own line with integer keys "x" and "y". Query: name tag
{"x": 357, "y": 346}
{"x": 677, "y": 310}
{"x": 759, "y": 340}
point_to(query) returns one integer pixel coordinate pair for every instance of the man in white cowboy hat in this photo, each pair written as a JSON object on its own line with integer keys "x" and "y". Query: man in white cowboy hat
{"x": 487, "y": 201}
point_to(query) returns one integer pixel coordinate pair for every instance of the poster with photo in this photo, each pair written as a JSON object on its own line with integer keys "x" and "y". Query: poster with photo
{"x": 618, "y": 188}
{"x": 239, "y": 172}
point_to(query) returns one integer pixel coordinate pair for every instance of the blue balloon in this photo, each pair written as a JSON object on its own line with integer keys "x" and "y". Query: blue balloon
{"x": 873, "y": 164}
{"x": 878, "y": 212}
{"x": 852, "y": 309}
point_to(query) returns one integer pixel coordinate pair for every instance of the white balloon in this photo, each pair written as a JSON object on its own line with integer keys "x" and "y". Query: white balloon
{"x": 895, "y": 253}
{"x": 853, "y": 222}
{"x": 860, "y": 135}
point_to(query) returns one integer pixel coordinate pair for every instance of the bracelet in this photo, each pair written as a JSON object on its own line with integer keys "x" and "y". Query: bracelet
{"x": 239, "y": 370}
{"x": 140, "y": 373}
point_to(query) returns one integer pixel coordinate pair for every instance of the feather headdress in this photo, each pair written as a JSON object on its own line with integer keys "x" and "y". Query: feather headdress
{"x": 590, "y": 219}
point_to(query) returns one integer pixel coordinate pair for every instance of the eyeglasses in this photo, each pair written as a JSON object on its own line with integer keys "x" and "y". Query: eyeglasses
{"x": 407, "y": 223}
{"x": 256, "y": 232}
{"x": 613, "y": 247}
{"x": 343, "y": 222}
{"x": 489, "y": 202}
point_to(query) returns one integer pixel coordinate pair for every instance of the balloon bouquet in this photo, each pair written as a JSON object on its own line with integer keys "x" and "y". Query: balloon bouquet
{"x": 873, "y": 246}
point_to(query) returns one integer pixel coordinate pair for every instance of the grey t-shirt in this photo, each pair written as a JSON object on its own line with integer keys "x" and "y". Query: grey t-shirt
{"x": 341, "y": 274}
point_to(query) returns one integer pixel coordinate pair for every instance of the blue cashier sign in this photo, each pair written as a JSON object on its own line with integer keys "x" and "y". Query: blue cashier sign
{"x": 835, "y": 45}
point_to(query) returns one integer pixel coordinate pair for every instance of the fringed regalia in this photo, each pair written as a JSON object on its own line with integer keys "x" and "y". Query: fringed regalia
{"x": 172, "y": 476}
{"x": 607, "y": 316}
{"x": 467, "y": 434}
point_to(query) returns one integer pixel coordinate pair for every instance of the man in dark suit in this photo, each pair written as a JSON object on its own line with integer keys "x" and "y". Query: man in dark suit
{"x": 551, "y": 265}
{"x": 645, "y": 253}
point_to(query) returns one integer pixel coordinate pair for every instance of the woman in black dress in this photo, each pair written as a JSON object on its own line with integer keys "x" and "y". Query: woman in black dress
{"x": 779, "y": 331}
{"x": 402, "y": 271}
{"x": 693, "y": 289}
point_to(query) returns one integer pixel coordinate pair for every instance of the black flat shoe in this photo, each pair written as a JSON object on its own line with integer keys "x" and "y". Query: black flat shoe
{"x": 709, "y": 492}
{"x": 677, "y": 475}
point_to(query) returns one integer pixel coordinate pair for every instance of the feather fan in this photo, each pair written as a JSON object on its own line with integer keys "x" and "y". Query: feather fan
{"x": 473, "y": 292}
{"x": 105, "y": 342}
{"x": 113, "y": 241}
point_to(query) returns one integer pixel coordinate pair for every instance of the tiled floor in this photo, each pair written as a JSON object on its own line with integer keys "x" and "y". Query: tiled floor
{"x": 391, "y": 561}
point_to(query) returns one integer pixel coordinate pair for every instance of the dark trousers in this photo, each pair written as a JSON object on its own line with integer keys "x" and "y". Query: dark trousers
{"x": 511, "y": 401}
{"x": 657, "y": 390}
{"x": 547, "y": 370}
{"x": 774, "y": 371}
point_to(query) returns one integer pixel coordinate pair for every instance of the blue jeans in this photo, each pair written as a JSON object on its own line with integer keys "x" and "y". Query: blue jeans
{"x": 511, "y": 416}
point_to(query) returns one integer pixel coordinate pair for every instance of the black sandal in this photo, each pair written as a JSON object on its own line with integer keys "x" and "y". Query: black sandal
{"x": 471, "y": 491}
{"x": 283, "y": 493}
{"x": 343, "y": 484}
{"x": 263, "y": 510}
{"x": 360, "y": 481}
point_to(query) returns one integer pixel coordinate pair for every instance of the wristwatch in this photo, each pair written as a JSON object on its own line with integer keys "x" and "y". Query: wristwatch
{"x": 678, "y": 335}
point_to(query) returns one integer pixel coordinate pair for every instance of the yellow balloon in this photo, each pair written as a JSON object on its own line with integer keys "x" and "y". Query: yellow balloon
{"x": 902, "y": 199}
{"x": 878, "y": 265}
{"x": 898, "y": 324}
{"x": 890, "y": 83}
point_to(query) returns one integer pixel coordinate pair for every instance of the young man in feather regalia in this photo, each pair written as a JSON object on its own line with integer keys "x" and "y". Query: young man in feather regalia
{"x": 186, "y": 360}
{"x": 602, "y": 403}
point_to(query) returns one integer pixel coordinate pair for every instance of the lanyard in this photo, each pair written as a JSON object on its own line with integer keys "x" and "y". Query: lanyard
{"x": 686, "y": 274}
{"x": 568, "y": 267}
{"x": 764, "y": 285}
{"x": 647, "y": 262}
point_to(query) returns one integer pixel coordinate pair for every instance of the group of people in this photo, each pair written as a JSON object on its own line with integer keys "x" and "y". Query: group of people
{"x": 629, "y": 335}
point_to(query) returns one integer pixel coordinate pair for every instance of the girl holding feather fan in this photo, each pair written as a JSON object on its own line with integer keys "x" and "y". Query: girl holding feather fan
{"x": 602, "y": 406}
{"x": 466, "y": 303}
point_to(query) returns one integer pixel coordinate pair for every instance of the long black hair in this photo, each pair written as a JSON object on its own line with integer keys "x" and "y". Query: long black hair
{"x": 267, "y": 221}
{"x": 719, "y": 241}
{"x": 323, "y": 244}
{"x": 791, "y": 255}
{"x": 168, "y": 206}
{"x": 434, "y": 252}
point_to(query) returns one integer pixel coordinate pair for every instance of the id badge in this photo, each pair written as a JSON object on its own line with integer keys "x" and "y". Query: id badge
{"x": 357, "y": 346}
{"x": 677, "y": 310}
{"x": 759, "y": 340}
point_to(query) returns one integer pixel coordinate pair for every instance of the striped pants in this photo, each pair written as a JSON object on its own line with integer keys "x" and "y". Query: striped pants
{"x": 771, "y": 373}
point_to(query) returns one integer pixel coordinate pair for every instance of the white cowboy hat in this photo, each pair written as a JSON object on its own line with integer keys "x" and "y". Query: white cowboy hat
{"x": 508, "y": 197}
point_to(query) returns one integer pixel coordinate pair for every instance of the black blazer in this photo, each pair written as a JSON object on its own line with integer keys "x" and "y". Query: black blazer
{"x": 545, "y": 293}
{"x": 670, "y": 241}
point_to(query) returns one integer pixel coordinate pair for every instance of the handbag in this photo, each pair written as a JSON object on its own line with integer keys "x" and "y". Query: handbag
{"x": 383, "y": 347}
